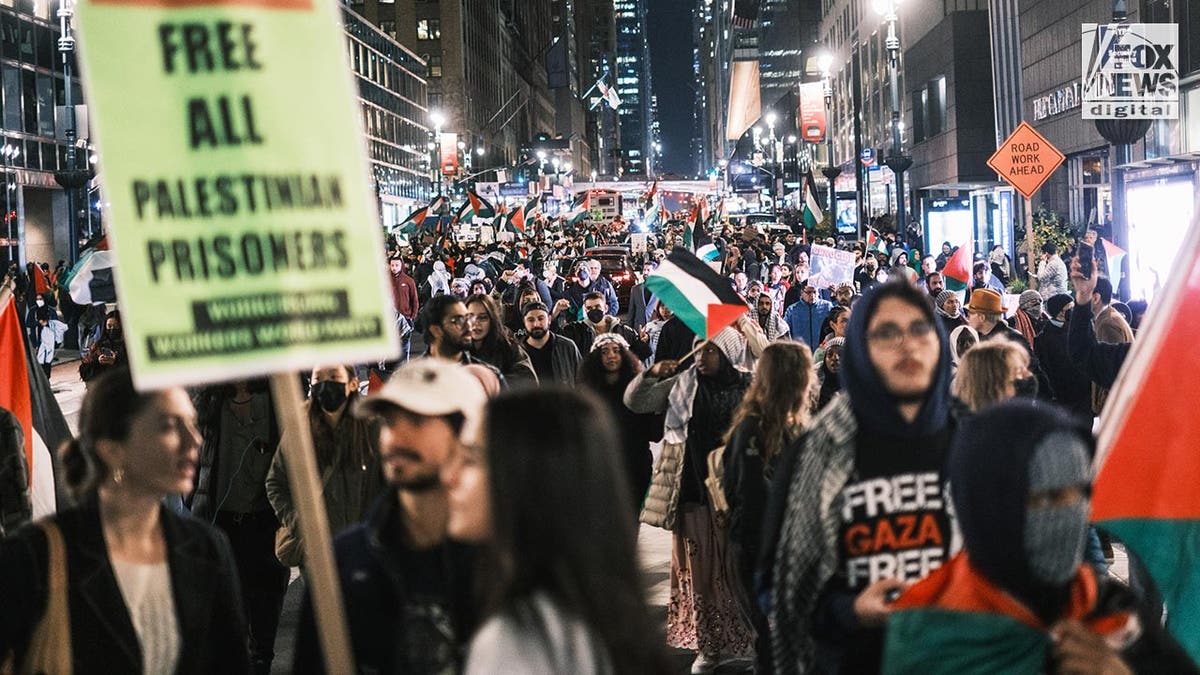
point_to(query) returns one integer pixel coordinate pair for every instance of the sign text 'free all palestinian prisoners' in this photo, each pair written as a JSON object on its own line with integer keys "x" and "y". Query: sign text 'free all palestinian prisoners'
{"x": 233, "y": 157}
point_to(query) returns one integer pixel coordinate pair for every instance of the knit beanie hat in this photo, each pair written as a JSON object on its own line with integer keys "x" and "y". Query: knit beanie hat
{"x": 943, "y": 297}
{"x": 1030, "y": 302}
{"x": 1056, "y": 303}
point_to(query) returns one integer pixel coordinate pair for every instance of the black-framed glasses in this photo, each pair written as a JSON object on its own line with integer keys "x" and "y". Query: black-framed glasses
{"x": 890, "y": 335}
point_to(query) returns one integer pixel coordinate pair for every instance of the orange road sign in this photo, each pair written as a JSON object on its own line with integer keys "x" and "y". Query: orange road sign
{"x": 1025, "y": 160}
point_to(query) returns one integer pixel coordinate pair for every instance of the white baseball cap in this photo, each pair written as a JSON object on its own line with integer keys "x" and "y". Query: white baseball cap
{"x": 431, "y": 387}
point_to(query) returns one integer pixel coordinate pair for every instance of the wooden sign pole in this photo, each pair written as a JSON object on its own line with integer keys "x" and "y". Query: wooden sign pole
{"x": 320, "y": 571}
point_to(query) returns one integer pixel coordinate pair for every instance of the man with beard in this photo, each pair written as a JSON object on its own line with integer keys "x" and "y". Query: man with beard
{"x": 830, "y": 558}
{"x": 407, "y": 588}
{"x": 554, "y": 358}
{"x": 772, "y": 324}
{"x": 405, "y": 303}
{"x": 598, "y": 321}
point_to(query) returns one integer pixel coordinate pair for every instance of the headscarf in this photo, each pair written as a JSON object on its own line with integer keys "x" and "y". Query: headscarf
{"x": 683, "y": 394}
{"x": 609, "y": 338}
{"x": 439, "y": 279}
{"x": 954, "y": 335}
{"x": 1029, "y": 309}
{"x": 875, "y": 408}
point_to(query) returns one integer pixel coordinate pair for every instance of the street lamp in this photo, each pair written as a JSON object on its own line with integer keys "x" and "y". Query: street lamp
{"x": 11, "y": 153}
{"x": 438, "y": 120}
{"x": 831, "y": 171}
{"x": 898, "y": 162}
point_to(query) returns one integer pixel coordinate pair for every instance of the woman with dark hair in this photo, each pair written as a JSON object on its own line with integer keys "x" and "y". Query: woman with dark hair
{"x": 565, "y": 592}
{"x": 238, "y": 440}
{"x": 829, "y": 374}
{"x": 607, "y": 370}
{"x": 699, "y": 402}
{"x": 107, "y": 352}
{"x": 494, "y": 344}
{"x": 771, "y": 416}
{"x": 145, "y": 590}
{"x": 834, "y": 327}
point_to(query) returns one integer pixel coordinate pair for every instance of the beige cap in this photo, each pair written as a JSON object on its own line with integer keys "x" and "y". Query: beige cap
{"x": 432, "y": 387}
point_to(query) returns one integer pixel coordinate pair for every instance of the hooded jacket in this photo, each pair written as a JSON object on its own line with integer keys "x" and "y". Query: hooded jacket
{"x": 800, "y": 553}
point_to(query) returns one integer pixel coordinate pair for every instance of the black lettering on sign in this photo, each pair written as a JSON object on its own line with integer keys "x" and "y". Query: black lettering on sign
{"x": 223, "y": 122}
{"x": 220, "y": 46}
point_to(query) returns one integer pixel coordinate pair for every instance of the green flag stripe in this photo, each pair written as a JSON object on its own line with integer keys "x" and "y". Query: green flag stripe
{"x": 934, "y": 641}
{"x": 672, "y": 297}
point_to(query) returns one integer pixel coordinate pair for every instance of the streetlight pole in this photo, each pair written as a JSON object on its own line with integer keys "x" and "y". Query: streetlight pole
{"x": 438, "y": 120}
{"x": 10, "y": 152}
{"x": 897, "y": 161}
{"x": 831, "y": 171}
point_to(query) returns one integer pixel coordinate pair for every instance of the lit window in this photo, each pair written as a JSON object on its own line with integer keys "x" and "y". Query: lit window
{"x": 429, "y": 29}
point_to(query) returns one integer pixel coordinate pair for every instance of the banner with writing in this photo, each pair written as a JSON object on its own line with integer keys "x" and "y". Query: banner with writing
{"x": 233, "y": 156}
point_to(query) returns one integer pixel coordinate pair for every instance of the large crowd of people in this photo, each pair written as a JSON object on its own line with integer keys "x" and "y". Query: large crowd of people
{"x": 838, "y": 454}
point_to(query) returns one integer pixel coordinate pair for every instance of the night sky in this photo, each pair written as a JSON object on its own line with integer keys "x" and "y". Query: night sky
{"x": 669, "y": 32}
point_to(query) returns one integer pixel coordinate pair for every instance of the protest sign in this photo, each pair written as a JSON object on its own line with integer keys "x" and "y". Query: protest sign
{"x": 830, "y": 266}
{"x": 243, "y": 246}
{"x": 637, "y": 243}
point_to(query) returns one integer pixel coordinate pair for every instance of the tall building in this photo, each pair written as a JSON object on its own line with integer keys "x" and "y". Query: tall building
{"x": 392, "y": 93}
{"x": 597, "y": 42}
{"x": 634, "y": 87}
{"x": 711, "y": 59}
{"x": 784, "y": 42}
{"x": 569, "y": 75}
{"x": 32, "y": 122}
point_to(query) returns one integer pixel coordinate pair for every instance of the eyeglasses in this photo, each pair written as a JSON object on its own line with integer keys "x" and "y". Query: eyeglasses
{"x": 459, "y": 320}
{"x": 890, "y": 336}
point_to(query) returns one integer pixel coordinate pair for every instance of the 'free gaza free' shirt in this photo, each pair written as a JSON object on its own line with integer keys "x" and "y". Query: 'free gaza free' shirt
{"x": 896, "y": 518}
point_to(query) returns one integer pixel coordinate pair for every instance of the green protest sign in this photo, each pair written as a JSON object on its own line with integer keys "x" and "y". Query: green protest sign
{"x": 241, "y": 213}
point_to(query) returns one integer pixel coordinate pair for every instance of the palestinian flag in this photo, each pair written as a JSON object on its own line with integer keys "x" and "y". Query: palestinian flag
{"x": 648, "y": 195}
{"x": 522, "y": 215}
{"x": 702, "y": 299}
{"x": 812, "y": 208}
{"x": 464, "y": 213}
{"x": 25, "y": 391}
{"x": 957, "y": 622}
{"x": 873, "y": 240}
{"x": 416, "y": 220}
{"x": 1146, "y": 493}
{"x": 1115, "y": 254}
{"x": 958, "y": 269}
{"x": 575, "y": 216}
{"x": 41, "y": 283}
{"x": 482, "y": 207}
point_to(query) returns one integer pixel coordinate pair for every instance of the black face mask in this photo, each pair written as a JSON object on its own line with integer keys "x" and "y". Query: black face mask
{"x": 1026, "y": 387}
{"x": 595, "y": 315}
{"x": 329, "y": 395}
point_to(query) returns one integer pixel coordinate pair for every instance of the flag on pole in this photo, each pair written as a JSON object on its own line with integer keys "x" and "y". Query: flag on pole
{"x": 41, "y": 284}
{"x": 575, "y": 216}
{"x": 608, "y": 94}
{"x": 812, "y": 208}
{"x": 1115, "y": 255}
{"x": 25, "y": 391}
{"x": 523, "y": 214}
{"x": 958, "y": 269}
{"x": 872, "y": 240}
{"x": 701, "y": 298}
{"x": 649, "y": 194}
{"x": 483, "y": 208}
{"x": 416, "y": 220}
{"x": 1146, "y": 492}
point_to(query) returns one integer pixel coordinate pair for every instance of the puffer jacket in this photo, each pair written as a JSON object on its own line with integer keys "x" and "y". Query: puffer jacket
{"x": 646, "y": 394}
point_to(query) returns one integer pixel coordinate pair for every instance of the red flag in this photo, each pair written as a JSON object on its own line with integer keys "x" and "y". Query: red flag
{"x": 14, "y": 374}
{"x": 40, "y": 283}
{"x": 957, "y": 271}
{"x": 1146, "y": 490}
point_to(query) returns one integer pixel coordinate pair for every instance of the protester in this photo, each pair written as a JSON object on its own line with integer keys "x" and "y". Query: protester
{"x": 771, "y": 416}
{"x": 146, "y": 590}
{"x": 238, "y": 440}
{"x": 607, "y": 371}
{"x": 1029, "y": 316}
{"x": 699, "y": 403}
{"x": 1072, "y": 389}
{"x": 826, "y": 572}
{"x": 944, "y": 256}
{"x": 829, "y": 374}
{"x": 106, "y": 353}
{"x": 15, "y": 506}
{"x": 1051, "y": 272}
{"x": 641, "y": 299}
{"x": 404, "y": 302}
{"x": 1020, "y": 480}
{"x": 598, "y": 320}
{"x": 992, "y": 372}
{"x": 982, "y": 277}
{"x": 492, "y": 343}
{"x": 408, "y": 590}
{"x": 833, "y": 327}
{"x": 554, "y": 358}
{"x": 804, "y": 318}
{"x": 1000, "y": 263}
{"x": 769, "y": 318}
{"x": 949, "y": 310}
{"x": 563, "y": 585}
{"x": 347, "y": 455}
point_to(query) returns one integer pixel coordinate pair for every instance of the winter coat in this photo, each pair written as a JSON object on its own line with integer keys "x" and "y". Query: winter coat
{"x": 804, "y": 321}
{"x": 349, "y": 466}
{"x": 564, "y": 360}
{"x": 209, "y": 408}
{"x": 404, "y": 295}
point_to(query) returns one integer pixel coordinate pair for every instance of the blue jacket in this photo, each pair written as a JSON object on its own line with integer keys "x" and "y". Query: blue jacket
{"x": 805, "y": 320}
